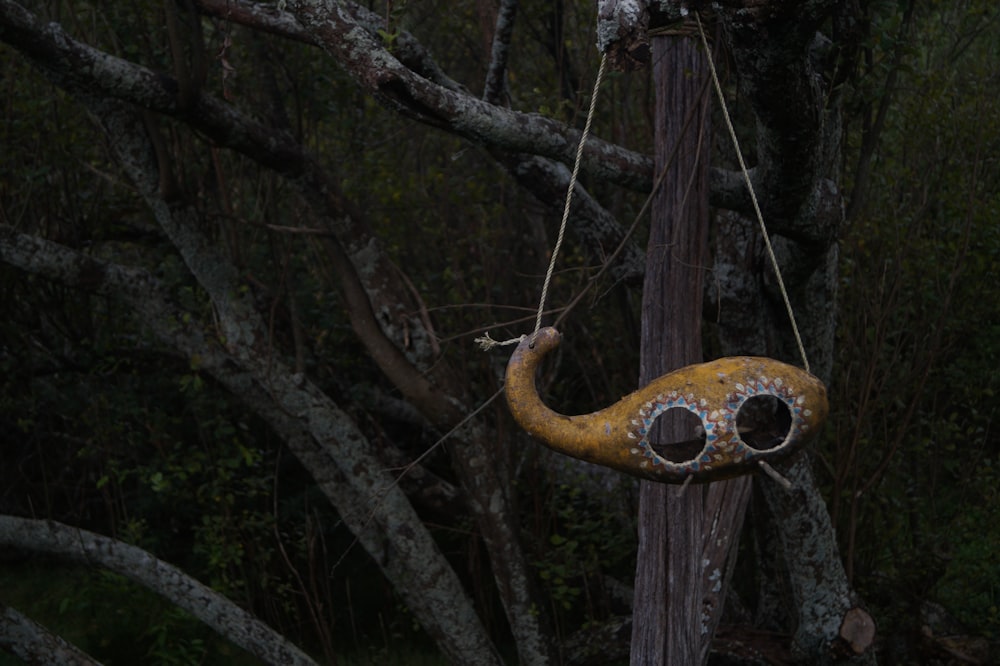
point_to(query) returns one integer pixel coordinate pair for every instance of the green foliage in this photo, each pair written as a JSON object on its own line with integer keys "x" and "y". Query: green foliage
{"x": 588, "y": 535}
{"x": 970, "y": 584}
{"x": 914, "y": 457}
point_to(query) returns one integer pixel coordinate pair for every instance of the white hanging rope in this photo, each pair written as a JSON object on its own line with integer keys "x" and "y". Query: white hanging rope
{"x": 569, "y": 193}
{"x": 753, "y": 195}
{"x": 486, "y": 342}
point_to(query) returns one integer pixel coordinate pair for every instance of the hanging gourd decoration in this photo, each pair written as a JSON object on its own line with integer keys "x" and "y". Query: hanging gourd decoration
{"x": 717, "y": 392}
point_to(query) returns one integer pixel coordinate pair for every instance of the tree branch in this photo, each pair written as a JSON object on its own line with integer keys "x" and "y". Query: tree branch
{"x": 319, "y": 434}
{"x": 30, "y": 641}
{"x": 385, "y": 77}
{"x": 771, "y": 48}
{"x": 81, "y": 68}
{"x": 223, "y": 616}
{"x": 599, "y": 231}
{"x": 495, "y": 75}
{"x": 270, "y": 19}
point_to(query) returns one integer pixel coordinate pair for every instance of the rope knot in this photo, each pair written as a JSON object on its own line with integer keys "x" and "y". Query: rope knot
{"x": 487, "y": 343}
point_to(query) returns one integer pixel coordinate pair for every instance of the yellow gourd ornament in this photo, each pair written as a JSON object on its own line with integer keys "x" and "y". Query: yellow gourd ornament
{"x": 618, "y": 436}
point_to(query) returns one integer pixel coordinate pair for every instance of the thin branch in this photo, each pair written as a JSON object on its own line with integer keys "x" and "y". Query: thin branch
{"x": 496, "y": 75}
{"x": 871, "y": 135}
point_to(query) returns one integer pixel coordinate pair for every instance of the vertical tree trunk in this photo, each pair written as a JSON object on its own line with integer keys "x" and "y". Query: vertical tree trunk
{"x": 685, "y": 533}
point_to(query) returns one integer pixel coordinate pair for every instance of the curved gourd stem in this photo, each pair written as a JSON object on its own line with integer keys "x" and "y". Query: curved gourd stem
{"x": 617, "y": 436}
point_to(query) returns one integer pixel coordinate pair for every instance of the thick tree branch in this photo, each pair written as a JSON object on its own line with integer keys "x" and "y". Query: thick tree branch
{"x": 348, "y": 33}
{"x": 319, "y": 434}
{"x": 421, "y": 573}
{"x": 540, "y": 176}
{"x": 382, "y": 75}
{"x": 600, "y": 232}
{"x": 35, "y": 644}
{"x": 356, "y": 255}
{"x": 223, "y": 616}
{"x": 270, "y": 19}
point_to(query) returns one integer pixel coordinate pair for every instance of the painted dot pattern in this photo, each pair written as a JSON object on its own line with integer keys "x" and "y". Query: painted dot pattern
{"x": 723, "y": 446}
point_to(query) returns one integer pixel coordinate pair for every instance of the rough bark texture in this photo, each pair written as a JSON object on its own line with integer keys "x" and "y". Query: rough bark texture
{"x": 417, "y": 568}
{"x": 31, "y": 642}
{"x": 621, "y": 32}
{"x": 685, "y": 533}
{"x": 320, "y": 435}
{"x": 212, "y": 608}
{"x": 384, "y": 76}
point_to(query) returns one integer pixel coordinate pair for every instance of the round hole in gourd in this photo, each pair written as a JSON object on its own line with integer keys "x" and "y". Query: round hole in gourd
{"x": 678, "y": 435}
{"x": 763, "y": 422}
